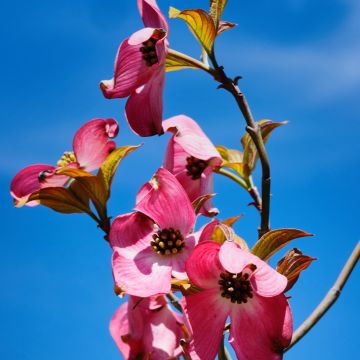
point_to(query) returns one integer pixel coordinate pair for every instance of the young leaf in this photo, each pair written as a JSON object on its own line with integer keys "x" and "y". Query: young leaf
{"x": 91, "y": 186}
{"x": 60, "y": 200}
{"x": 216, "y": 9}
{"x": 175, "y": 62}
{"x": 200, "y": 24}
{"x": 224, "y": 25}
{"x": 200, "y": 201}
{"x": 108, "y": 168}
{"x": 250, "y": 153}
{"x": 292, "y": 264}
{"x": 232, "y": 159}
{"x": 274, "y": 240}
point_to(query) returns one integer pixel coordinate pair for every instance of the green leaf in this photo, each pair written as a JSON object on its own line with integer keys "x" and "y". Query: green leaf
{"x": 175, "y": 62}
{"x": 250, "y": 153}
{"x": 216, "y": 9}
{"x": 60, "y": 199}
{"x": 232, "y": 159}
{"x": 107, "y": 170}
{"x": 292, "y": 264}
{"x": 274, "y": 240}
{"x": 200, "y": 24}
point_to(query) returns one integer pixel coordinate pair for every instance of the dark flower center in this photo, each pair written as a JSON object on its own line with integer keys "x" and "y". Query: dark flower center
{"x": 168, "y": 241}
{"x": 195, "y": 167}
{"x": 149, "y": 51}
{"x": 235, "y": 287}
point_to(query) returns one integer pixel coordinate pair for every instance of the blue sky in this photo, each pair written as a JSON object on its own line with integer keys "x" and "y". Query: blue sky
{"x": 300, "y": 62}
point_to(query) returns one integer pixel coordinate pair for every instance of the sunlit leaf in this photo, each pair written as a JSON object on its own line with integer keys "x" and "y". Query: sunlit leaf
{"x": 60, "y": 200}
{"x": 250, "y": 153}
{"x": 200, "y": 24}
{"x": 216, "y": 9}
{"x": 292, "y": 264}
{"x": 107, "y": 170}
{"x": 232, "y": 159}
{"x": 274, "y": 240}
{"x": 175, "y": 62}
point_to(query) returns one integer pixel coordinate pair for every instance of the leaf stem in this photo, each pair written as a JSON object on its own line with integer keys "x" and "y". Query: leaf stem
{"x": 255, "y": 132}
{"x": 223, "y": 353}
{"x": 329, "y": 299}
{"x": 174, "y": 301}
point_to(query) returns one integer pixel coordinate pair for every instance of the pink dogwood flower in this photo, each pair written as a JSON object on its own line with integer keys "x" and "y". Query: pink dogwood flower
{"x": 90, "y": 148}
{"x": 152, "y": 244}
{"x": 238, "y": 284}
{"x": 191, "y": 157}
{"x": 140, "y": 72}
{"x": 146, "y": 328}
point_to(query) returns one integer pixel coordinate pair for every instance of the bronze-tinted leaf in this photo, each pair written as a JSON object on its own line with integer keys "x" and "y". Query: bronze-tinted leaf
{"x": 201, "y": 25}
{"x": 200, "y": 201}
{"x": 250, "y": 153}
{"x": 292, "y": 264}
{"x": 60, "y": 200}
{"x": 91, "y": 186}
{"x": 224, "y": 26}
{"x": 274, "y": 240}
{"x": 107, "y": 170}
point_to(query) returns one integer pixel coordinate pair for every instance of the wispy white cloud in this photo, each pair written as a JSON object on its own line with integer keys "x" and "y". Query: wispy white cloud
{"x": 323, "y": 68}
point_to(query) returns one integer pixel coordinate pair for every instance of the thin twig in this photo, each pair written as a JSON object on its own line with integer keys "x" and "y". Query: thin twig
{"x": 174, "y": 301}
{"x": 255, "y": 132}
{"x": 223, "y": 353}
{"x": 329, "y": 299}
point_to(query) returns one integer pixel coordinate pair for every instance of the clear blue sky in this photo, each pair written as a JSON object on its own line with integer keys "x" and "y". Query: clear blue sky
{"x": 300, "y": 62}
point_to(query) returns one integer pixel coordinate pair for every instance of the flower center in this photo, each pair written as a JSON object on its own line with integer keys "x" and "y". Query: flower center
{"x": 168, "y": 241}
{"x": 67, "y": 158}
{"x": 235, "y": 287}
{"x": 149, "y": 50}
{"x": 195, "y": 167}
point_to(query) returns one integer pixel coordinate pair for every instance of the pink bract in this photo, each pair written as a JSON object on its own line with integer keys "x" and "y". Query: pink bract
{"x": 191, "y": 157}
{"x": 140, "y": 72}
{"x": 147, "y": 328}
{"x": 153, "y": 243}
{"x": 91, "y": 146}
{"x": 236, "y": 283}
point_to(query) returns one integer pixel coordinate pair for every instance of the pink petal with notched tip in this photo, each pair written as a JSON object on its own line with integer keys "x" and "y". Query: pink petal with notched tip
{"x": 206, "y": 312}
{"x": 26, "y": 182}
{"x": 91, "y": 145}
{"x": 145, "y": 275}
{"x": 206, "y": 187}
{"x": 131, "y": 70}
{"x": 144, "y": 107}
{"x": 188, "y": 134}
{"x": 167, "y": 203}
{"x": 203, "y": 266}
{"x": 265, "y": 281}
{"x": 207, "y": 230}
{"x": 151, "y": 14}
{"x": 261, "y": 329}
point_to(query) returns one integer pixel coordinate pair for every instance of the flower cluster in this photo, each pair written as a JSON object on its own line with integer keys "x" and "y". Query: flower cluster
{"x": 157, "y": 248}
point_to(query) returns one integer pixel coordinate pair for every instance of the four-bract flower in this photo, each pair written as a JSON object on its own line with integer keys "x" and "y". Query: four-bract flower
{"x": 238, "y": 284}
{"x": 147, "y": 329}
{"x": 153, "y": 243}
{"x": 140, "y": 72}
{"x": 191, "y": 157}
{"x": 91, "y": 146}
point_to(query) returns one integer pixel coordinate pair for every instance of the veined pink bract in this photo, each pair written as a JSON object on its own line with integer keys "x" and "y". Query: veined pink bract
{"x": 140, "y": 72}
{"x": 153, "y": 243}
{"x": 238, "y": 284}
{"x": 147, "y": 328}
{"x": 191, "y": 157}
{"x": 91, "y": 146}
